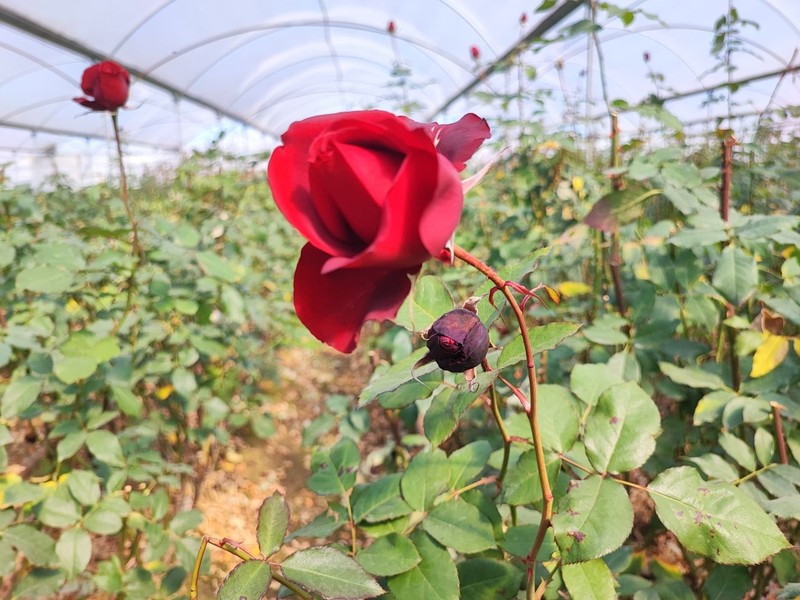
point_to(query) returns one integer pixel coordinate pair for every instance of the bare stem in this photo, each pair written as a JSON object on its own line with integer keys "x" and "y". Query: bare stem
{"x": 533, "y": 421}
{"x": 727, "y": 172}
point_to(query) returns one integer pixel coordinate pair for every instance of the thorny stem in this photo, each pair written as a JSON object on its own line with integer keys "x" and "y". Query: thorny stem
{"x": 776, "y": 414}
{"x": 533, "y": 419}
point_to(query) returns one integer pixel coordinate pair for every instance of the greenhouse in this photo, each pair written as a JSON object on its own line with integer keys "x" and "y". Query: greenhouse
{"x": 423, "y": 300}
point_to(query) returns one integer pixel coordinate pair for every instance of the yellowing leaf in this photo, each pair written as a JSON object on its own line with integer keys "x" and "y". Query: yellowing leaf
{"x": 577, "y": 183}
{"x": 797, "y": 347}
{"x": 164, "y": 391}
{"x": 769, "y": 354}
{"x": 568, "y": 289}
{"x": 72, "y": 306}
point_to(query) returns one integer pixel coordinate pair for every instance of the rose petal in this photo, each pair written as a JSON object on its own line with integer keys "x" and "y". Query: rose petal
{"x": 458, "y": 141}
{"x": 288, "y": 175}
{"x": 335, "y": 305}
{"x": 89, "y": 79}
{"x": 420, "y": 214}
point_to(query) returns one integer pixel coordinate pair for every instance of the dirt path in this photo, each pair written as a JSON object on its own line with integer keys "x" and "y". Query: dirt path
{"x": 251, "y": 471}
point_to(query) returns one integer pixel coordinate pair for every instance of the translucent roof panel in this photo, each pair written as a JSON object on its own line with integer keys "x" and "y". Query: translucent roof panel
{"x": 249, "y": 67}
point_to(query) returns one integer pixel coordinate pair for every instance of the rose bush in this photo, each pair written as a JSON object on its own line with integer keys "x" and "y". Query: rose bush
{"x": 375, "y": 195}
{"x": 108, "y": 83}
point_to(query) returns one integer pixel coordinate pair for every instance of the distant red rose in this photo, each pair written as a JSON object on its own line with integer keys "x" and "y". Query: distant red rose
{"x": 375, "y": 195}
{"x": 475, "y": 52}
{"x": 523, "y": 19}
{"x": 106, "y": 82}
{"x": 391, "y": 28}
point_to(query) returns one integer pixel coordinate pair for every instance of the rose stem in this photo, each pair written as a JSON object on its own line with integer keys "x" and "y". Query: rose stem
{"x": 136, "y": 248}
{"x": 123, "y": 188}
{"x": 533, "y": 420}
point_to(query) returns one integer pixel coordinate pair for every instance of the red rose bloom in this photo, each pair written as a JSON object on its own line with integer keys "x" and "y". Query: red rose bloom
{"x": 474, "y": 52}
{"x": 391, "y": 28}
{"x": 375, "y": 195}
{"x": 106, "y": 82}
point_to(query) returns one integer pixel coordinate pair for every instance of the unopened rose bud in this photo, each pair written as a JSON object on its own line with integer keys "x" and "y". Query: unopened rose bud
{"x": 475, "y": 52}
{"x": 391, "y": 27}
{"x": 458, "y": 341}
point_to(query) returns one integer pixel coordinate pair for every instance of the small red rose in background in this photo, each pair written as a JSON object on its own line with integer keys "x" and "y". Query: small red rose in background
{"x": 523, "y": 19}
{"x": 375, "y": 195}
{"x": 474, "y": 52}
{"x": 106, "y": 82}
{"x": 391, "y": 28}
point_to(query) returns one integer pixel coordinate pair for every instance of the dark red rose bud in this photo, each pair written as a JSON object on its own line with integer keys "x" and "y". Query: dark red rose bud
{"x": 458, "y": 341}
{"x": 391, "y": 27}
{"x": 475, "y": 52}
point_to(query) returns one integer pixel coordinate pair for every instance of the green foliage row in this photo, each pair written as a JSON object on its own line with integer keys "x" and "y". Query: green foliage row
{"x": 128, "y": 373}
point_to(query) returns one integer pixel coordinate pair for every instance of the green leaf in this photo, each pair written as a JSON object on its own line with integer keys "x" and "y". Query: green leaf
{"x": 330, "y": 574}
{"x": 71, "y": 369}
{"x": 425, "y": 478}
{"x": 249, "y": 580}
{"x": 84, "y": 487}
{"x": 185, "y": 520}
{"x": 273, "y": 521}
{"x": 434, "y": 578}
{"x": 522, "y": 484}
{"x": 34, "y": 545}
{"x": 334, "y": 471}
{"x": 428, "y": 301}
{"x": 736, "y": 275}
{"x": 322, "y": 526}
{"x": 395, "y": 376}
{"x": 544, "y": 337}
{"x": 468, "y": 462}
{"x": 692, "y": 376}
{"x": 621, "y": 430}
{"x": 39, "y": 583}
{"x": 216, "y": 266}
{"x": 587, "y": 382}
{"x": 19, "y": 396}
{"x": 44, "y": 280}
{"x": 738, "y": 450}
{"x": 23, "y": 492}
{"x": 59, "y": 512}
{"x": 618, "y": 208}
{"x": 128, "y": 402}
{"x": 461, "y": 526}
{"x": 593, "y": 518}
{"x": 105, "y": 447}
{"x": 590, "y": 580}
{"x": 487, "y": 579}
{"x": 559, "y": 417}
{"x": 74, "y": 550}
{"x": 389, "y": 555}
{"x": 727, "y": 583}
{"x": 764, "y": 445}
{"x": 379, "y": 500}
{"x": 102, "y": 521}
{"x": 71, "y": 443}
{"x": 714, "y": 518}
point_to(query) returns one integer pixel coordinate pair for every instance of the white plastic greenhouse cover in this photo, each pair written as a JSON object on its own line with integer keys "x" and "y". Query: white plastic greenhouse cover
{"x": 249, "y": 68}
